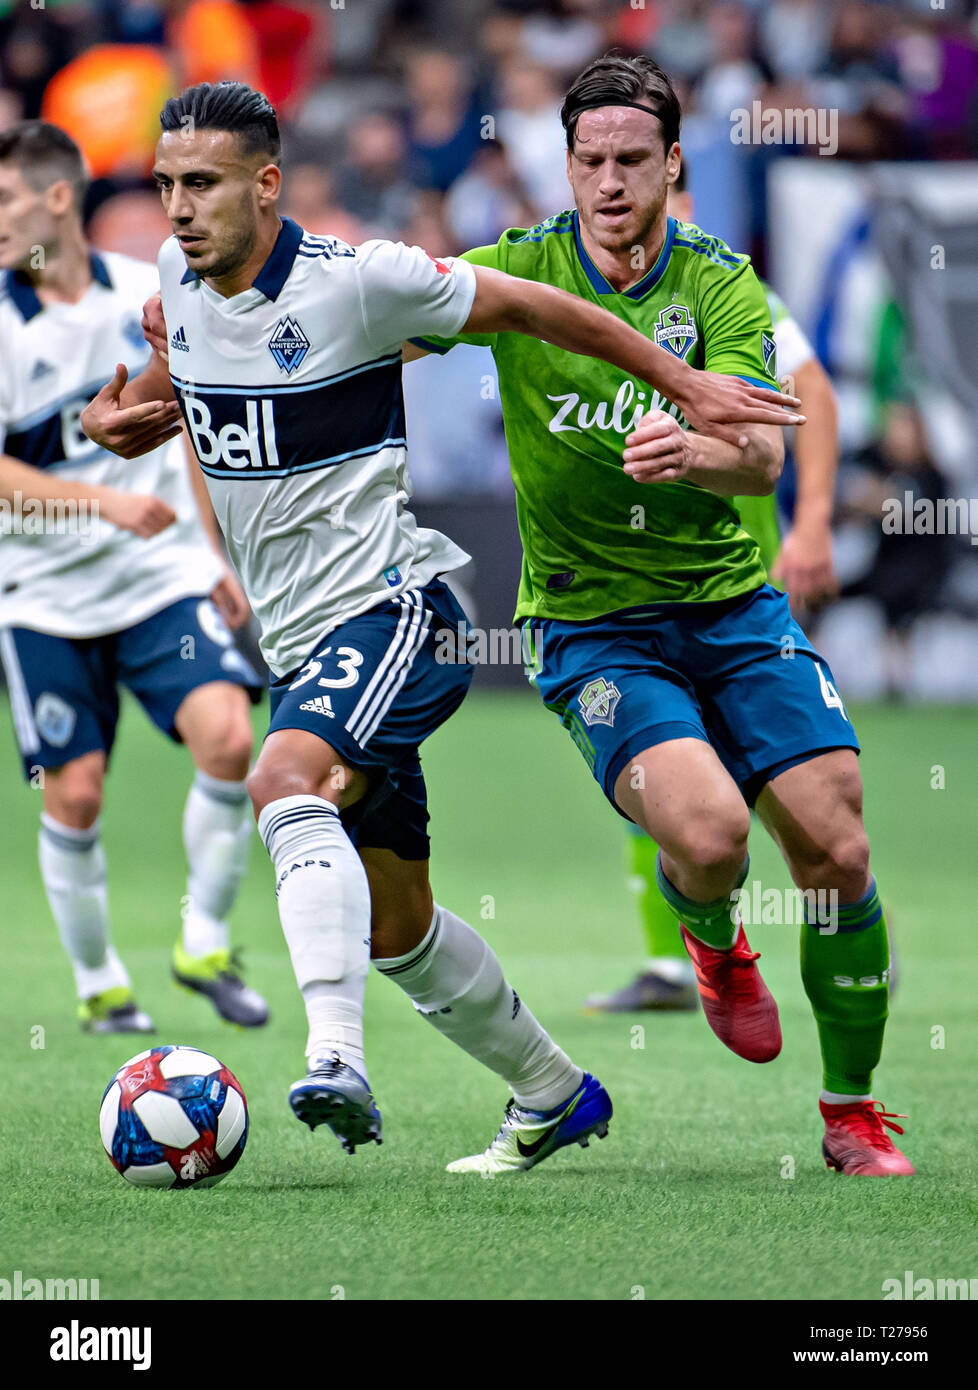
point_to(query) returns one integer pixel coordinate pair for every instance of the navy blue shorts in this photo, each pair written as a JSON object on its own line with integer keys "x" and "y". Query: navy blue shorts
{"x": 64, "y": 691}
{"x": 739, "y": 674}
{"x": 374, "y": 689}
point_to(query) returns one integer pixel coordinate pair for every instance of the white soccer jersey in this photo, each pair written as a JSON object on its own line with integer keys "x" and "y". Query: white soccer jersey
{"x": 292, "y": 394}
{"x": 94, "y": 578}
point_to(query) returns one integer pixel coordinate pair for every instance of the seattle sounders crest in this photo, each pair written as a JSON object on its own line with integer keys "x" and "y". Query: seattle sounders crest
{"x": 675, "y": 330}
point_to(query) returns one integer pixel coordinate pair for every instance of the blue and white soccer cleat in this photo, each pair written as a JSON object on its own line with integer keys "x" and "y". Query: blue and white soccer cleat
{"x": 527, "y": 1137}
{"x": 336, "y": 1095}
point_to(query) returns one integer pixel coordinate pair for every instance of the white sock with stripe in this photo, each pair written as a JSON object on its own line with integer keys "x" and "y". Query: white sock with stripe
{"x": 324, "y": 907}
{"x": 454, "y": 979}
{"x": 216, "y": 837}
{"x": 73, "y": 869}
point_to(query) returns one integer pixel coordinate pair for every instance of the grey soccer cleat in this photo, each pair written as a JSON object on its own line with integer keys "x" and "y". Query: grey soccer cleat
{"x": 216, "y": 978}
{"x": 649, "y": 992}
{"x": 113, "y": 1011}
{"x": 335, "y": 1095}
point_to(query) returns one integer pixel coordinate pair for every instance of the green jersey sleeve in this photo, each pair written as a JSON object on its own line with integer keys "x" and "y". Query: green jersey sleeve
{"x": 738, "y": 337}
{"x": 493, "y": 257}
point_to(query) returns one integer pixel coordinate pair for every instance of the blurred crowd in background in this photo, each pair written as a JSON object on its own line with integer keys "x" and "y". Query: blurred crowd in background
{"x": 436, "y": 122}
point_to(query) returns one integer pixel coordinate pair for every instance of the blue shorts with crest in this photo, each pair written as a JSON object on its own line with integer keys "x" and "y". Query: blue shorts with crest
{"x": 740, "y": 674}
{"x": 374, "y": 689}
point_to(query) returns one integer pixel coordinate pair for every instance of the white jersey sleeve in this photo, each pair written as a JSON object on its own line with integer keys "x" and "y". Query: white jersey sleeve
{"x": 405, "y": 293}
{"x": 794, "y": 349}
{"x": 89, "y": 577}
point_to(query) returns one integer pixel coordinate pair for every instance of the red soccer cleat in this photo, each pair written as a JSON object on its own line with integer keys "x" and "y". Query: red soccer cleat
{"x": 856, "y": 1143}
{"x": 738, "y": 1005}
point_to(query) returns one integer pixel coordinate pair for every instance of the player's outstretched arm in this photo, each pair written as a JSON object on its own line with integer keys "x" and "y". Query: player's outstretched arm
{"x": 720, "y": 406}
{"x": 132, "y": 417}
{"x": 144, "y": 515}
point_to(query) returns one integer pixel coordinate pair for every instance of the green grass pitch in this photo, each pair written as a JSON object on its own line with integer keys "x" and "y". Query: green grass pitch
{"x": 687, "y": 1198}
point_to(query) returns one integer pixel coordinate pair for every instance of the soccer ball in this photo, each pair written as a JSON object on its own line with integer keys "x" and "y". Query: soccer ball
{"x": 173, "y": 1117}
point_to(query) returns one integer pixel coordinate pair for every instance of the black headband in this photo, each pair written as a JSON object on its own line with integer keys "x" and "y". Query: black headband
{"x": 601, "y": 101}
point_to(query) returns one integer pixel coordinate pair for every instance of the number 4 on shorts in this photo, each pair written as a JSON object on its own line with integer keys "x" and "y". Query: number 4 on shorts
{"x": 832, "y": 698}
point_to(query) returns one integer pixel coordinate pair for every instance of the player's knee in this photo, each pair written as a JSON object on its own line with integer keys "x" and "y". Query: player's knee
{"x": 841, "y": 864}
{"x": 75, "y": 798}
{"x": 231, "y": 749}
{"x": 271, "y": 779}
{"x": 715, "y": 846}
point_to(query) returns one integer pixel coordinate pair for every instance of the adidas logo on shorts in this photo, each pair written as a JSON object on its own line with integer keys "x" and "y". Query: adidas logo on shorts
{"x": 320, "y": 705}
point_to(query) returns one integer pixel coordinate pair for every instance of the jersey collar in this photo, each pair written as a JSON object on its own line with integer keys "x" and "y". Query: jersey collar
{"x": 274, "y": 273}
{"x": 24, "y": 295}
{"x": 642, "y": 286}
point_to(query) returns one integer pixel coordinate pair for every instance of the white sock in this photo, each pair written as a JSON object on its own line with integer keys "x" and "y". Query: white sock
{"x": 834, "y": 1098}
{"x": 216, "y": 836}
{"x": 73, "y": 869}
{"x": 454, "y": 980}
{"x": 324, "y": 906}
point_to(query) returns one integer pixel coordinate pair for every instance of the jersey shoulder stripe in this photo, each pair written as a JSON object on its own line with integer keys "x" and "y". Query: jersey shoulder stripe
{"x": 690, "y": 238}
{"x": 560, "y": 222}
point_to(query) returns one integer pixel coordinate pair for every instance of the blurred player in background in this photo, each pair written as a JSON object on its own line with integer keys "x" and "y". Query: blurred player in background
{"x": 653, "y": 633}
{"x": 801, "y": 563}
{"x": 285, "y": 353}
{"x": 129, "y": 602}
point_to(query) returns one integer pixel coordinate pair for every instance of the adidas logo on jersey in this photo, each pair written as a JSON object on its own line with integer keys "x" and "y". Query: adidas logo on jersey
{"x": 179, "y": 340}
{"x": 41, "y": 369}
{"x": 320, "y": 704}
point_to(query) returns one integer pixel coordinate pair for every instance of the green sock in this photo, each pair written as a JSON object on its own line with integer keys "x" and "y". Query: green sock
{"x": 659, "y": 925}
{"x": 713, "y": 923}
{"x": 845, "y": 977}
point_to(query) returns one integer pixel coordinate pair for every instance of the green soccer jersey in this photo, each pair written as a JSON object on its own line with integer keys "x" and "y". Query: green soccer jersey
{"x": 594, "y": 540}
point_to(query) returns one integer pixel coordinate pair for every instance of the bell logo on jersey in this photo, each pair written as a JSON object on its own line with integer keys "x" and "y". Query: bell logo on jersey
{"x": 251, "y": 445}
{"x": 288, "y": 344}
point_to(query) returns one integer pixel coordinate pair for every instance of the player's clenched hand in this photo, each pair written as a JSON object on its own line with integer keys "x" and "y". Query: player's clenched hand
{"x": 658, "y": 449}
{"x": 144, "y": 515}
{"x": 154, "y": 326}
{"x": 804, "y": 566}
{"x": 721, "y": 406}
{"x": 130, "y": 431}
{"x": 231, "y": 601}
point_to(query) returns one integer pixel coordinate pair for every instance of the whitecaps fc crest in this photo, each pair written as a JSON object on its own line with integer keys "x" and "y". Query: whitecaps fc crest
{"x": 598, "y": 700}
{"x": 288, "y": 344}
